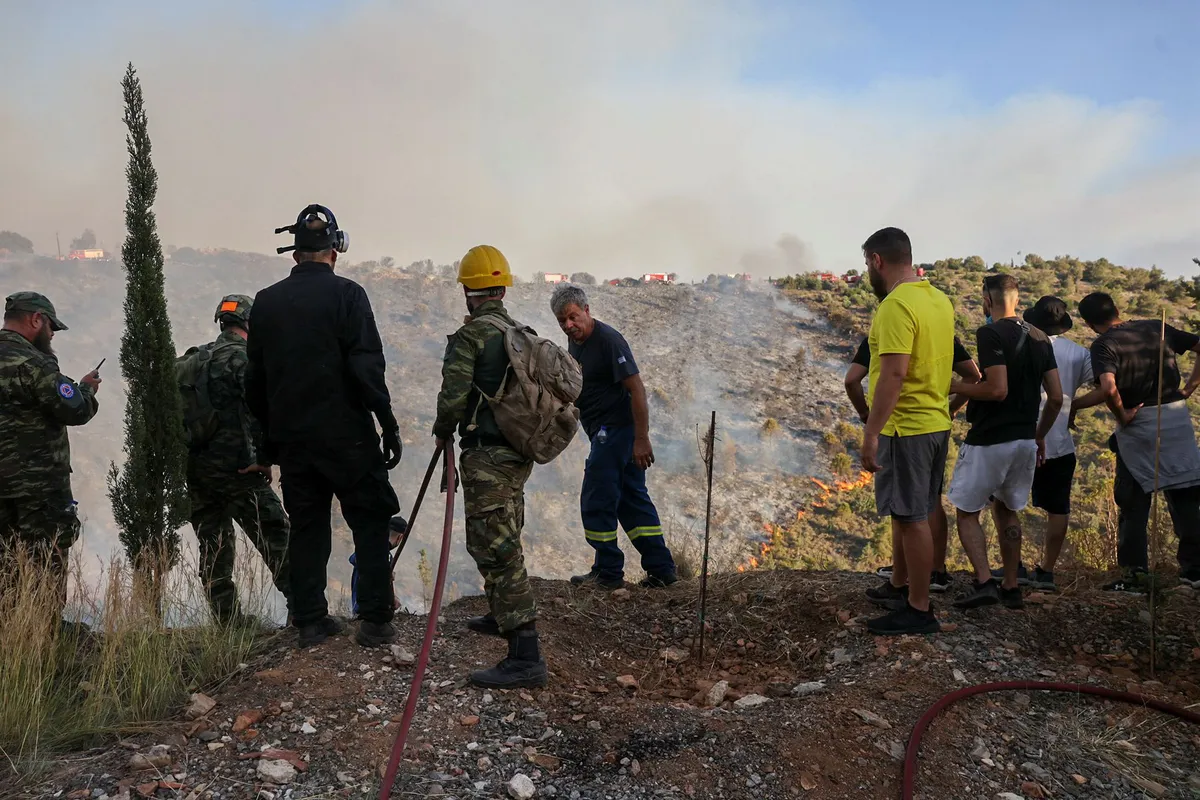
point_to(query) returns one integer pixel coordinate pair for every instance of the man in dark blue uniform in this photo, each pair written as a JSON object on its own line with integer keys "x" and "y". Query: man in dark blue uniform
{"x": 616, "y": 417}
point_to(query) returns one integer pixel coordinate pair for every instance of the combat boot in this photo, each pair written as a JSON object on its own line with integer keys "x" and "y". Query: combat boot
{"x": 317, "y": 632}
{"x": 486, "y": 625}
{"x": 374, "y": 634}
{"x": 522, "y": 668}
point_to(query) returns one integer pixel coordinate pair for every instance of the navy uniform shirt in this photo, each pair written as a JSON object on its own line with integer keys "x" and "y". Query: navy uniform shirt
{"x": 606, "y": 360}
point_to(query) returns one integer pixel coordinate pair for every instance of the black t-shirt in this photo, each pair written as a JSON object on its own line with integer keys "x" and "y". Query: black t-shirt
{"x": 606, "y": 360}
{"x": 1130, "y": 352}
{"x": 862, "y": 356}
{"x": 1027, "y": 354}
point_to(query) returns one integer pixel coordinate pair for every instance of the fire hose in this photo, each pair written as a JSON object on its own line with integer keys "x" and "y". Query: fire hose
{"x": 414, "y": 690}
{"x": 914, "y": 741}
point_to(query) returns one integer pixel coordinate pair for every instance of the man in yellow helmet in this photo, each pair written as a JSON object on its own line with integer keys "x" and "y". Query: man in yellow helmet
{"x": 492, "y": 472}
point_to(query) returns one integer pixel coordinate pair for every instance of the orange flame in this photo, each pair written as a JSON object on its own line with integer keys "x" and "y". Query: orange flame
{"x": 822, "y": 501}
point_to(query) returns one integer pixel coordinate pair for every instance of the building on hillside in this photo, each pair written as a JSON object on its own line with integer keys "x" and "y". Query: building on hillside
{"x": 555, "y": 277}
{"x": 88, "y": 255}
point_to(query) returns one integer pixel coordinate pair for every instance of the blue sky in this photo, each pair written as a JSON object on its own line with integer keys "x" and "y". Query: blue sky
{"x": 1110, "y": 51}
{"x": 683, "y": 133}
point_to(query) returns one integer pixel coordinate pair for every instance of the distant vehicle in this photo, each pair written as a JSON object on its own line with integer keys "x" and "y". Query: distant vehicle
{"x": 88, "y": 255}
{"x": 828, "y": 276}
{"x": 851, "y": 279}
{"x": 555, "y": 277}
{"x": 658, "y": 277}
{"x": 920, "y": 272}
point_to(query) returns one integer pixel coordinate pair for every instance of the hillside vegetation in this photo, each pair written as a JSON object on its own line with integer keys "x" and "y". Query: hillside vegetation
{"x": 847, "y": 511}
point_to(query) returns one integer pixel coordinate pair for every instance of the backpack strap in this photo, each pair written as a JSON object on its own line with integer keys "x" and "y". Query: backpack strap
{"x": 504, "y": 326}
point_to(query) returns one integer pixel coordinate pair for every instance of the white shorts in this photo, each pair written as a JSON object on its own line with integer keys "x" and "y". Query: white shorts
{"x": 1002, "y": 472}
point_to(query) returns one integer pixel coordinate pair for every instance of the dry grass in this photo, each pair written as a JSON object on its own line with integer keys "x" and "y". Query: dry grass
{"x": 65, "y": 686}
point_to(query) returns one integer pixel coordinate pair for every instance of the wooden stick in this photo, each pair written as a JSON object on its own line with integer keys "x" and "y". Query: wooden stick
{"x": 1157, "y": 529}
{"x": 710, "y": 457}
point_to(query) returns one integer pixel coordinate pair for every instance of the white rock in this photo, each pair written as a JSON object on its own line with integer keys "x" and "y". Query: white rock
{"x": 488, "y": 699}
{"x": 201, "y": 704}
{"x": 277, "y": 772}
{"x": 402, "y": 656}
{"x": 1009, "y": 796}
{"x": 716, "y": 695}
{"x": 307, "y": 728}
{"x": 520, "y": 787}
{"x": 751, "y": 700}
{"x": 805, "y": 689}
{"x": 372, "y": 709}
{"x": 286, "y": 705}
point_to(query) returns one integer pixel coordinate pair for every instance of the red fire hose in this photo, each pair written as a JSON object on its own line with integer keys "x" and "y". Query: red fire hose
{"x": 414, "y": 691}
{"x": 914, "y": 741}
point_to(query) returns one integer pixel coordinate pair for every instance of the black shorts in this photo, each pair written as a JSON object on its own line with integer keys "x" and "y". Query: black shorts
{"x": 912, "y": 470}
{"x": 1052, "y": 484}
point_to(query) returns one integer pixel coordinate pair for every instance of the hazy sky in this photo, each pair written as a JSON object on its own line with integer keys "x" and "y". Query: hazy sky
{"x": 619, "y": 136}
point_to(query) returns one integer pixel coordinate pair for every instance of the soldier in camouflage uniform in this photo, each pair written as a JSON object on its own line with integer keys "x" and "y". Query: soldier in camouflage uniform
{"x": 37, "y": 403}
{"x": 493, "y": 474}
{"x": 225, "y": 482}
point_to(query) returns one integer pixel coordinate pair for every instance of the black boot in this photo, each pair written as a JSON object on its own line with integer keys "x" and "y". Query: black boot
{"x": 486, "y": 625}
{"x": 374, "y": 634}
{"x": 316, "y": 632}
{"x": 523, "y": 668}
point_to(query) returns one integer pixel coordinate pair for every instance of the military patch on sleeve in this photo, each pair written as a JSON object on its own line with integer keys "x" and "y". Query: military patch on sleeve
{"x": 66, "y": 390}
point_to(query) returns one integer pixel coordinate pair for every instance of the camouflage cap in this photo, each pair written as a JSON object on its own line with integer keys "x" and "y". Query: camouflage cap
{"x": 34, "y": 303}
{"x": 235, "y": 306}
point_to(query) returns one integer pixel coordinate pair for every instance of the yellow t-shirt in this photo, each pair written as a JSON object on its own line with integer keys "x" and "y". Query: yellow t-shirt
{"x": 917, "y": 319}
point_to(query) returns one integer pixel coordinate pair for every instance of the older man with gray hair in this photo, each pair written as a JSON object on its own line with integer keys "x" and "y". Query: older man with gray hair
{"x": 616, "y": 418}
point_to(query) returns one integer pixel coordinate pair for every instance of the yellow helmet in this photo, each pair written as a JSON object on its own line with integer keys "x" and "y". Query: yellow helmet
{"x": 484, "y": 267}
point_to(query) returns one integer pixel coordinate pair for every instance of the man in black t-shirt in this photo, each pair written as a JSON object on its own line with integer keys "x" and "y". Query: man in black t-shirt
{"x": 1125, "y": 361}
{"x": 1007, "y": 440}
{"x": 616, "y": 417}
{"x": 964, "y": 366}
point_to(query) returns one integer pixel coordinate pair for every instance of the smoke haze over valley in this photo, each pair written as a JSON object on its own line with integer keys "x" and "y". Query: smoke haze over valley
{"x": 615, "y": 138}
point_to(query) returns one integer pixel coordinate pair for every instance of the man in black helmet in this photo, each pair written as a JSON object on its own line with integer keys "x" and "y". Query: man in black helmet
{"x": 315, "y": 378}
{"x": 225, "y": 480}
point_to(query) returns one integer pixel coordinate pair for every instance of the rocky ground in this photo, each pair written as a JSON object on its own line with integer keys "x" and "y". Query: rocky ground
{"x": 792, "y": 698}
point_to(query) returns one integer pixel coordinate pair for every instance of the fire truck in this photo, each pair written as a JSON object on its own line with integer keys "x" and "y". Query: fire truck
{"x": 658, "y": 277}
{"x": 555, "y": 277}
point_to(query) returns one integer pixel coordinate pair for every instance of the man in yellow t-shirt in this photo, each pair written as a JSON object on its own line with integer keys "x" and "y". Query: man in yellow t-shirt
{"x": 908, "y": 429}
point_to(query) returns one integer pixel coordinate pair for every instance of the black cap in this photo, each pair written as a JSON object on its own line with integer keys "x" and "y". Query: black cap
{"x": 1050, "y": 315}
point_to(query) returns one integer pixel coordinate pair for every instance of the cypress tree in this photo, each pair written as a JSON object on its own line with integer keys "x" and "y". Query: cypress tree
{"x": 149, "y": 492}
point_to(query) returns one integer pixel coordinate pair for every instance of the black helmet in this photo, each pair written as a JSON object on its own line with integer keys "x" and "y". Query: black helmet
{"x": 315, "y": 238}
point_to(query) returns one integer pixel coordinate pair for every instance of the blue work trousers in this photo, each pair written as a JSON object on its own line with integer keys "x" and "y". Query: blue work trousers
{"x": 614, "y": 491}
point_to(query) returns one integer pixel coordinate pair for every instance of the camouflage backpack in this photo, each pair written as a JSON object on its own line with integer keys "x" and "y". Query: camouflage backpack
{"x": 534, "y": 406}
{"x": 200, "y": 421}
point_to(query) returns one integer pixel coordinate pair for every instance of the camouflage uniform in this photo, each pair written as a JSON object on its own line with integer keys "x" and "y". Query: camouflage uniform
{"x": 493, "y": 474}
{"x": 220, "y": 495}
{"x": 37, "y": 403}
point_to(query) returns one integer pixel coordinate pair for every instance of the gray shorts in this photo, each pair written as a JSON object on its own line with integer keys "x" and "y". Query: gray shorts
{"x": 912, "y": 469}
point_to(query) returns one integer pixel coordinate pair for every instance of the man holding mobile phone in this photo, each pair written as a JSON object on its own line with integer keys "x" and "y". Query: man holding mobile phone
{"x": 37, "y": 403}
